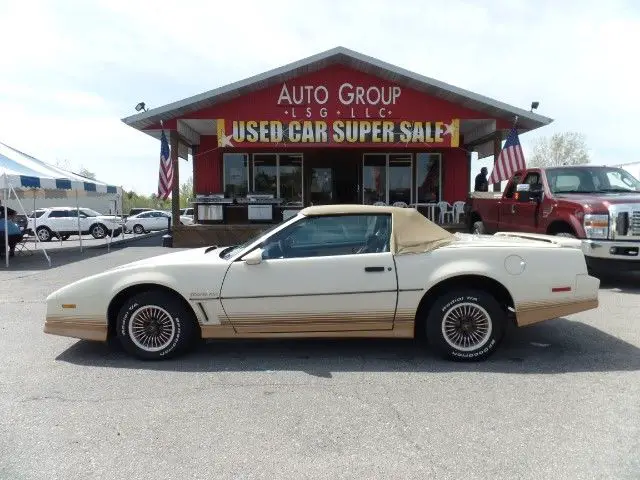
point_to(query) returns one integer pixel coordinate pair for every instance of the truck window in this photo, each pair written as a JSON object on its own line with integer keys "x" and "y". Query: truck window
{"x": 508, "y": 193}
{"x": 532, "y": 178}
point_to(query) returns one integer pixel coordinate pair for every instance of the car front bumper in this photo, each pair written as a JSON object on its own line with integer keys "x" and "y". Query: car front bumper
{"x": 611, "y": 255}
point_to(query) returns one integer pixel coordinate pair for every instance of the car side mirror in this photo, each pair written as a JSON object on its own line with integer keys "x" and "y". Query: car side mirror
{"x": 254, "y": 257}
{"x": 529, "y": 192}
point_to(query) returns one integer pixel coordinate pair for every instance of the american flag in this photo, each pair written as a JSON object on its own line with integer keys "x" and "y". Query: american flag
{"x": 510, "y": 160}
{"x": 165, "y": 182}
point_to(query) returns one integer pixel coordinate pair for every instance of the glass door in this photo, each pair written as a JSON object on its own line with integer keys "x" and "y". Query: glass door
{"x": 400, "y": 185}
{"x": 374, "y": 179}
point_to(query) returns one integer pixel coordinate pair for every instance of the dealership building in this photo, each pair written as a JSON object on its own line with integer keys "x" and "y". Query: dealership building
{"x": 336, "y": 127}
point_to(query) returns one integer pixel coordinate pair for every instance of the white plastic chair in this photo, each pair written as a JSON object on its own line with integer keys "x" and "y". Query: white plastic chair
{"x": 458, "y": 209}
{"x": 400, "y": 204}
{"x": 445, "y": 211}
{"x": 379, "y": 204}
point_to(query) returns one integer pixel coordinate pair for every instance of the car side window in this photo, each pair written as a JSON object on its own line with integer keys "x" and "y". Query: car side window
{"x": 331, "y": 235}
{"x": 512, "y": 187}
{"x": 58, "y": 214}
{"x": 143, "y": 215}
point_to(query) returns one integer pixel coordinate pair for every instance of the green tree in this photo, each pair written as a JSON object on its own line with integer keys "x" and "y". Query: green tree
{"x": 567, "y": 148}
{"x": 186, "y": 193}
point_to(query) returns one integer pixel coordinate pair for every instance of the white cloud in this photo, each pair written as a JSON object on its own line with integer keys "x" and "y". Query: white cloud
{"x": 74, "y": 68}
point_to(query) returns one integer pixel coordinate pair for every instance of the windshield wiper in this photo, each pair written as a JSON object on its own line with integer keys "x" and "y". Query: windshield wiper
{"x": 618, "y": 190}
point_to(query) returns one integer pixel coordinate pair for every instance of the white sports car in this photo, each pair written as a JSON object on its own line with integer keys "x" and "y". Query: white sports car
{"x": 333, "y": 271}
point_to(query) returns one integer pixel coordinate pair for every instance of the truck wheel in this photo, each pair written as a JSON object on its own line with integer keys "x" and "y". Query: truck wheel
{"x": 465, "y": 325}
{"x": 478, "y": 228}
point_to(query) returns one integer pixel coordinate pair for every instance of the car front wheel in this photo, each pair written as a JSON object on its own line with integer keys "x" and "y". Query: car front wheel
{"x": 153, "y": 326}
{"x": 465, "y": 325}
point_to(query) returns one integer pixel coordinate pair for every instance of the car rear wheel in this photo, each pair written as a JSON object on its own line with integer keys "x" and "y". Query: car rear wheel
{"x": 44, "y": 234}
{"x": 139, "y": 229}
{"x": 465, "y": 325}
{"x": 153, "y": 326}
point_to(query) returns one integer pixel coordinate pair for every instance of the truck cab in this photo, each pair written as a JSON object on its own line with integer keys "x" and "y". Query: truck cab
{"x": 597, "y": 204}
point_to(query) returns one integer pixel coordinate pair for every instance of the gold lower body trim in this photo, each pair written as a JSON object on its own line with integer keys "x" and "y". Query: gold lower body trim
{"x": 83, "y": 328}
{"x": 535, "y": 312}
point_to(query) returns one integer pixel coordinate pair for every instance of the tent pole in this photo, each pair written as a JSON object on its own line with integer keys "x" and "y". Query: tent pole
{"x": 6, "y": 227}
{"x": 24, "y": 212}
{"x": 78, "y": 217}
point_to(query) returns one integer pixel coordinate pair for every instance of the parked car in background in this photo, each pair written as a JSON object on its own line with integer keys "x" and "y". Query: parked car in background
{"x": 596, "y": 204}
{"x": 137, "y": 210}
{"x": 333, "y": 271}
{"x": 187, "y": 212}
{"x": 152, "y": 220}
{"x": 63, "y": 222}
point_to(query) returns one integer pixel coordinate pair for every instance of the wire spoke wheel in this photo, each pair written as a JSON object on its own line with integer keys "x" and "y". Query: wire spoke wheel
{"x": 466, "y": 326}
{"x": 152, "y": 328}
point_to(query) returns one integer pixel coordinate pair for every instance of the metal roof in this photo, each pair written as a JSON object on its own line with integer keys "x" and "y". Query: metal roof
{"x": 493, "y": 108}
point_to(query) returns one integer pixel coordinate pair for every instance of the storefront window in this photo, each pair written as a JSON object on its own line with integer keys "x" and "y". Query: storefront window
{"x": 290, "y": 171}
{"x": 400, "y": 178}
{"x": 374, "y": 181}
{"x": 265, "y": 174}
{"x": 236, "y": 174}
{"x": 428, "y": 177}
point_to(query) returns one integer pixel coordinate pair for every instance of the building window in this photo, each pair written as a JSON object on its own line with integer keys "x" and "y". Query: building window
{"x": 279, "y": 175}
{"x": 265, "y": 174}
{"x": 428, "y": 177}
{"x": 374, "y": 178}
{"x": 236, "y": 174}
{"x": 400, "y": 184}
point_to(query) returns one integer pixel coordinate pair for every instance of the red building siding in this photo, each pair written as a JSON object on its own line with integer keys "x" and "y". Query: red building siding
{"x": 455, "y": 175}
{"x": 207, "y": 166}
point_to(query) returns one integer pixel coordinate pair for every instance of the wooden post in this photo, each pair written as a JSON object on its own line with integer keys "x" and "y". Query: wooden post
{"x": 497, "y": 147}
{"x": 175, "y": 189}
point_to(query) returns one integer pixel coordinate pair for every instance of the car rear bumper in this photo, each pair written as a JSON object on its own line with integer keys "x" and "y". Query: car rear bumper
{"x": 585, "y": 297}
{"x": 612, "y": 256}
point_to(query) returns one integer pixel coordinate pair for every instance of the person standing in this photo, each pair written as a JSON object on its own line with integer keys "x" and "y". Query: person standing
{"x": 482, "y": 184}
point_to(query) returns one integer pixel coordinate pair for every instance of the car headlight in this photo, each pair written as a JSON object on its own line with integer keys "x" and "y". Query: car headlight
{"x": 596, "y": 226}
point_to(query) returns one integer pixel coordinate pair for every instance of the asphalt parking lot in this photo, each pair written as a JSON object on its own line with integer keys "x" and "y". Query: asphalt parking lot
{"x": 559, "y": 400}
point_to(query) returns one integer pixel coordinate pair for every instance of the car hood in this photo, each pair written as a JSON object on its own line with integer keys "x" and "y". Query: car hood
{"x": 210, "y": 255}
{"x": 600, "y": 201}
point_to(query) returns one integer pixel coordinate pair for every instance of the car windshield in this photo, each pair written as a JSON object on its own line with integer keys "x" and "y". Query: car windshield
{"x": 229, "y": 252}
{"x": 586, "y": 180}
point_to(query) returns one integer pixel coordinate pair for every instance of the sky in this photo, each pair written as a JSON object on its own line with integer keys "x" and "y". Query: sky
{"x": 70, "y": 70}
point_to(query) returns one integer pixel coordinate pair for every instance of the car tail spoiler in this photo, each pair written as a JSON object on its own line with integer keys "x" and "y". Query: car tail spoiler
{"x": 566, "y": 242}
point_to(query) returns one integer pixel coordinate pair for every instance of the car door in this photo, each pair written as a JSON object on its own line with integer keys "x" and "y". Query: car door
{"x": 527, "y": 212}
{"x": 508, "y": 220}
{"x": 59, "y": 221}
{"x": 320, "y": 274}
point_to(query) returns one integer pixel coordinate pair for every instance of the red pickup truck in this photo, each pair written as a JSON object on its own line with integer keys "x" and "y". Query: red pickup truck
{"x": 600, "y": 205}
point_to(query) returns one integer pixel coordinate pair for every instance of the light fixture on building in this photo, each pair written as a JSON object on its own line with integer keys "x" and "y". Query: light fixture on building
{"x": 534, "y": 105}
{"x": 141, "y": 106}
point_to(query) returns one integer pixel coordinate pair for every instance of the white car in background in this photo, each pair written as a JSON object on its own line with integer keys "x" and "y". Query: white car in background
{"x": 333, "y": 271}
{"x": 151, "y": 221}
{"x": 62, "y": 222}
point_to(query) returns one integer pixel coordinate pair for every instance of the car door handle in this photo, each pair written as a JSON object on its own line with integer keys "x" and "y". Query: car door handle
{"x": 374, "y": 269}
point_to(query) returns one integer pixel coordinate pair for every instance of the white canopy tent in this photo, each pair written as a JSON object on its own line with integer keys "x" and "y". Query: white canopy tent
{"x": 19, "y": 171}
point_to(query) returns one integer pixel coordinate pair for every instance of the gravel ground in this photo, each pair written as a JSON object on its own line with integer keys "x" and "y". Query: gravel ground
{"x": 559, "y": 400}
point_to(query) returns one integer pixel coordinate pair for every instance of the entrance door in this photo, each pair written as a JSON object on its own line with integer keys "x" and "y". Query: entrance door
{"x": 321, "y": 274}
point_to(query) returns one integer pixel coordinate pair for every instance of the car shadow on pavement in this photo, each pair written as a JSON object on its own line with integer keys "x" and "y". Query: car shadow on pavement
{"x": 556, "y": 346}
{"x": 35, "y": 260}
{"x": 623, "y": 283}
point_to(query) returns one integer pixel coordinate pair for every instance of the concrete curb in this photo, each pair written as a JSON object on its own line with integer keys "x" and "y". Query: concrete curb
{"x": 127, "y": 240}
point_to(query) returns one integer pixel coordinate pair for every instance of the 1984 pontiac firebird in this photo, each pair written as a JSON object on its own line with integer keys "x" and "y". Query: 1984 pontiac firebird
{"x": 334, "y": 271}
